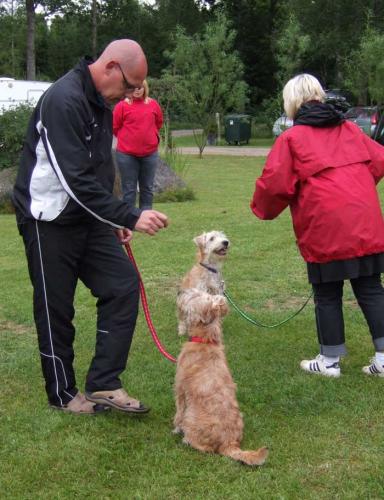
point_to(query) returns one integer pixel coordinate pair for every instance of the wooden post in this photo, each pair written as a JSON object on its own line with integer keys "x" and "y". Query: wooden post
{"x": 218, "y": 128}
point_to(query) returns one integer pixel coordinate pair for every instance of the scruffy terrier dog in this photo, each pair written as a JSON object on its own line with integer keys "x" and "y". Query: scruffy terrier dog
{"x": 205, "y": 275}
{"x": 207, "y": 412}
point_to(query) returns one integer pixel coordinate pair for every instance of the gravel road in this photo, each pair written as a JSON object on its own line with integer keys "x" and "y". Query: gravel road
{"x": 226, "y": 150}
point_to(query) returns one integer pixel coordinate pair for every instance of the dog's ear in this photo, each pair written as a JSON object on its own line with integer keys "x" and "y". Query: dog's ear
{"x": 199, "y": 241}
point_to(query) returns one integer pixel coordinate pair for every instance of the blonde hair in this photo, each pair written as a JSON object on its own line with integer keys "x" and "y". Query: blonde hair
{"x": 146, "y": 90}
{"x": 146, "y": 98}
{"x": 299, "y": 90}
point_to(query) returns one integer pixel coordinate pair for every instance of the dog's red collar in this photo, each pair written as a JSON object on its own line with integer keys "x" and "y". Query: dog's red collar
{"x": 200, "y": 340}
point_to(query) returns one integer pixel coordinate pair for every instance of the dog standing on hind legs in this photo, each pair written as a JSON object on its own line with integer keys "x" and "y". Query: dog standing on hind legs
{"x": 207, "y": 412}
{"x": 205, "y": 275}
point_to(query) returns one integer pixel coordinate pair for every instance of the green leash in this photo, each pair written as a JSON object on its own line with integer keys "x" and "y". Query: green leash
{"x": 262, "y": 325}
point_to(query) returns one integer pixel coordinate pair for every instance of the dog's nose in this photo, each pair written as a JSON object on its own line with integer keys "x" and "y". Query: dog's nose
{"x": 226, "y": 243}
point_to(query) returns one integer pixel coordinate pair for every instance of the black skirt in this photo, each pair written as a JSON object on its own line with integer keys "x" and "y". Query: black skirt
{"x": 339, "y": 270}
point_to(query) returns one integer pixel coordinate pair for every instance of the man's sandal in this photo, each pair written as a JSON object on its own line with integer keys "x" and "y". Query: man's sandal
{"x": 117, "y": 399}
{"x": 80, "y": 406}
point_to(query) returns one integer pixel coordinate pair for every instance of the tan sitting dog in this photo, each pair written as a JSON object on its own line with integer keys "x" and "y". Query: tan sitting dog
{"x": 206, "y": 274}
{"x": 207, "y": 412}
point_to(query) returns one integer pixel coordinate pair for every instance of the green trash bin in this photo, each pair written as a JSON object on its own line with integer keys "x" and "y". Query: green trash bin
{"x": 237, "y": 129}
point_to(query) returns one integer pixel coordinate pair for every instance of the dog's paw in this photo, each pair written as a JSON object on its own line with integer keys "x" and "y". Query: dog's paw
{"x": 185, "y": 441}
{"x": 182, "y": 329}
{"x": 220, "y": 303}
{"x": 178, "y": 430}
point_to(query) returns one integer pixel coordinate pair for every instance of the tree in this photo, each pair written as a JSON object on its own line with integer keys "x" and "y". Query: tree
{"x": 130, "y": 19}
{"x": 185, "y": 13}
{"x": 291, "y": 50}
{"x": 208, "y": 74}
{"x": 94, "y": 29}
{"x": 31, "y": 57}
{"x": 291, "y": 47}
{"x": 157, "y": 24}
{"x": 365, "y": 68}
{"x": 49, "y": 7}
{"x": 12, "y": 39}
{"x": 335, "y": 29}
{"x": 255, "y": 23}
{"x": 166, "y": 90}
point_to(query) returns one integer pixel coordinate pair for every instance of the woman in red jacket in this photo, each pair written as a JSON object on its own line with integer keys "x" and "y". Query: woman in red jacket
{"x": 136, "y": 124}
{"x": 326, "y": 170}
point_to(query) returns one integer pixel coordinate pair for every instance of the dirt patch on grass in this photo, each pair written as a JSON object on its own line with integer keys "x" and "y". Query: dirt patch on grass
{"x": 16, "y": 328}
{"x": 277, "y": 304}
{"x": 288, "y": 304}
{"x": 168, "y": 285}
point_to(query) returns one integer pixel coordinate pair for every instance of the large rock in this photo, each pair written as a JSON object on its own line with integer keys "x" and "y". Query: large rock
{"x": 165, "y": 179}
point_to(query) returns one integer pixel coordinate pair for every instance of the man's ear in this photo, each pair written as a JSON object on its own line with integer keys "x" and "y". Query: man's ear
{"x": 109, "y": 66}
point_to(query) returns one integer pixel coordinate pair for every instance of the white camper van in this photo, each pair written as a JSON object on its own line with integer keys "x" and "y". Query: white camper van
{"x": 14, "y": 92}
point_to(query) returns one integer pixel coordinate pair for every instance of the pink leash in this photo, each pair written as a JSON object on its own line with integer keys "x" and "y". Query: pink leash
{"x": 147, "y": 314}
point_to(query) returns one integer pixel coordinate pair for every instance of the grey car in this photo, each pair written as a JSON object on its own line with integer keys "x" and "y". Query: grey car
{"x": 379, "y": 129}
{"x": 365, "y": 117}
{"x": 281, "y": 124}
{"x": 336, "y": 97}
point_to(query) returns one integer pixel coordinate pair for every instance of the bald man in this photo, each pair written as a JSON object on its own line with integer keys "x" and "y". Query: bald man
{"x": 73, "y": 227}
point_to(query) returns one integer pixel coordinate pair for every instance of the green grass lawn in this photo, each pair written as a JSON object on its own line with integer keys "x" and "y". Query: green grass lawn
{"x": 325, "y": 436}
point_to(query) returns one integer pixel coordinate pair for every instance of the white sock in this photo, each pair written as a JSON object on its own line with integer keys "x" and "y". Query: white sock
{"x": 328, "y": 361}
{"x": 379, "y": 356}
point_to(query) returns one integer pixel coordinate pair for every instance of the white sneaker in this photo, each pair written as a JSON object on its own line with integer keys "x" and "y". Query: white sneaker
{"x": 318, "y": 367}
{"x": 374, "y": 369}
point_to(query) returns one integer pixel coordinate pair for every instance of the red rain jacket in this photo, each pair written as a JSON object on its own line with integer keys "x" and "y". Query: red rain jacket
{"x": 327, "y": 176}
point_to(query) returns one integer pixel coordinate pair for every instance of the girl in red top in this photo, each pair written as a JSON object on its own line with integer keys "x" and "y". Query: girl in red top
{"x": 136, "y": 124}
{"x": 326, "y": 170}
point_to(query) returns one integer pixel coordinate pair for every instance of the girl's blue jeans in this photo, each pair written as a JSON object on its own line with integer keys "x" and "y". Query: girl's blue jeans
{"x": 137, "y": 171}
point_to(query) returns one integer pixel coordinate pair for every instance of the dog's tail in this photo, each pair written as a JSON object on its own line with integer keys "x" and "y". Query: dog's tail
{"x": 249, "y": 457}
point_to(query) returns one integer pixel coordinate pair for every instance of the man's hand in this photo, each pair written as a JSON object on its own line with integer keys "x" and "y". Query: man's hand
{"x": 124, "y": 235}
{"x": 151, "y": 221}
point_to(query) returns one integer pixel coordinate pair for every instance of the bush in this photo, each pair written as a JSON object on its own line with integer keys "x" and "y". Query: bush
{"x": 269, "y": 111}
{"x": 6, "y": 206}
{"x": 175, "y": 195}
{"x": 13, "y": 127}
{"x": 176, "y": 161}
{"x": 261, "y": 131}
{"x": 184, "y": 125}
{"x": 7, "y": 181}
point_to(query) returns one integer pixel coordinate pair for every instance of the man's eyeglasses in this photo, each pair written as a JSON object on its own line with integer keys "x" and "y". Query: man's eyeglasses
{"x": 127, "y": 85}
